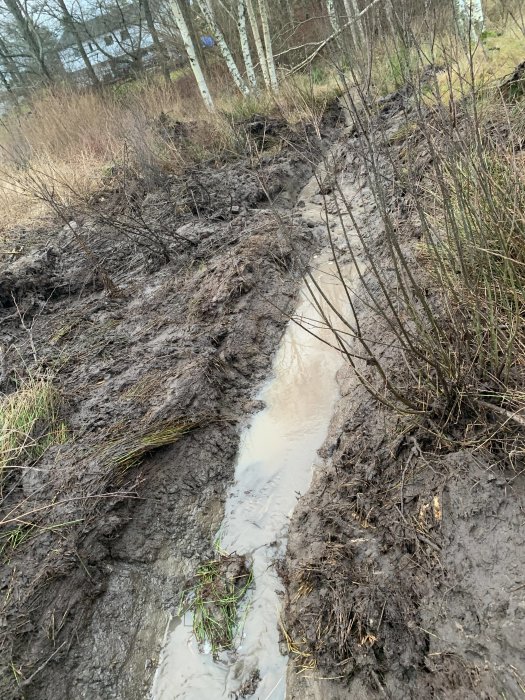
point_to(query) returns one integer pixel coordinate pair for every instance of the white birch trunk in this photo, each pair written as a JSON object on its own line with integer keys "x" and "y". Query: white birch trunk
{"x": 263, "y": 9}
{"x": 469, "y": 15}
{"x": 191, "y": 53}
{"x": 245, "y": 43}
{"x": 258, "y": 44}
{"x": 223, "y": 46}
{"x": 332, "y": 15}
{"x": 352, "y": 10}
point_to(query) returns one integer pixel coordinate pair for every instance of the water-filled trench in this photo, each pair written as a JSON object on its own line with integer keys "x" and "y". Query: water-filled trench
{"x": 276, "y": 460}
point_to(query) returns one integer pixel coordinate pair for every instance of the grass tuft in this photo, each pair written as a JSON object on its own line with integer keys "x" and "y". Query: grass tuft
{"x": 215, "y": 600}
{"x": 29, "y": 423}
{"x": 127, "y": 451}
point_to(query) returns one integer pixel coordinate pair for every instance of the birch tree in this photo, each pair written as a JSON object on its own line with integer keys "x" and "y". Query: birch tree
{"x": 214, "y": 28}
{"x": 352, "y": 12}
{"x": 263, "y": 9}
{"x": 261, "y": 55}
{"x": 245, "y": 44}
{"x": 191, "y": 53}
{"x": 470, "y": 18}
{"x": 332, "y": 15}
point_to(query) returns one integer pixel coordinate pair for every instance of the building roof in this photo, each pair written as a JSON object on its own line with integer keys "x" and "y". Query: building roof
{"x": 104, "y": 23}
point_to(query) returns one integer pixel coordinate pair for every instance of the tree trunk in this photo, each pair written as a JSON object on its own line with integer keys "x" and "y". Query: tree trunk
{"x": 352, "y": 10}
{"x": 192, "y": 55}
{"x": 245, "y": 43}
{"x": 223, "y": 46}
{"x": 258, "y": 44}
{"x": 9, "y": 89}
{"x": 332, "y": 15}
{"x": 10, "y": 64}
{"x": 185, "y": 7}
{"x": 263, "y": 8}
{"x": 160, "y": 49}
{"x": 70, "y": 24}
{"x": 470, "y": 18}
{"x": 27, "y": 29}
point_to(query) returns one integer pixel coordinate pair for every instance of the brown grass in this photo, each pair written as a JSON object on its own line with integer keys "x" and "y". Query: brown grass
{"x": 70, "y": 140}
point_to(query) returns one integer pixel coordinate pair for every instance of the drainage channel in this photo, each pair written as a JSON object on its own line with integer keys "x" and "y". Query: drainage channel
{"x": 276, "y": 460}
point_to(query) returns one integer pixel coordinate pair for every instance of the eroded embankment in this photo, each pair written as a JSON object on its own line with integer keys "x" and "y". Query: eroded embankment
{"x": 114, "y": 532}
{"x": 406, "y": 558}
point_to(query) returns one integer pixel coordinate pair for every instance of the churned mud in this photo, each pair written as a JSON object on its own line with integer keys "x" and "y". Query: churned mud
{"x": 274, "y": 466}
{"x": 120, "y": 518}
{"x": 403, "y": 570}
{"x": 406, "y": 558}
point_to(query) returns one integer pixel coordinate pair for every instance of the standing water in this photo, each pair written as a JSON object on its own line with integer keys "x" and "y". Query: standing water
{"x": 277, "y": 455}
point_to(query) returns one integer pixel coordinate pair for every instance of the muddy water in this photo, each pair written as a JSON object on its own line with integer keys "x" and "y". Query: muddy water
{"x": 277, "y": 455}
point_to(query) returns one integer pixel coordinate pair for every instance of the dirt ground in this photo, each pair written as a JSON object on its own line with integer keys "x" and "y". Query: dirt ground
{"x": 205, "y": 267}
{"x": 405, "y": 559}
{"x": 405, "y": 564}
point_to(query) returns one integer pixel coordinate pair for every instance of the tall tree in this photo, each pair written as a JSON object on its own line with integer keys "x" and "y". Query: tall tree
{"x": 263, "y": 9}
{"x": 470, "y": 18}
{"x": 352, "y": 12}
{"x": 70, "y": 24}
{"x": 191, "y": 53}
{"x": 31, "y": 36}
{"x": 261, "y": 55}
{"x": 7, "y": 58}
{"x": 245, "y": 43}
{"x": 160, "y": 49}
{"x": 214, "y": 28}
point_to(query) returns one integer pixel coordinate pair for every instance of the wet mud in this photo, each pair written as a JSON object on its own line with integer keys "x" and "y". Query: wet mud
{"x": 277, "y": 455}
{"x": 403, "y": 571}
{"x": 206, "y": 271}
{"x": 405, "y": 559}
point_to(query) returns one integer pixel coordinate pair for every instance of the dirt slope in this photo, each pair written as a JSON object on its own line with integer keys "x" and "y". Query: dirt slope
{"x": 203, "y": 265}
{"x": 406, "y": 559}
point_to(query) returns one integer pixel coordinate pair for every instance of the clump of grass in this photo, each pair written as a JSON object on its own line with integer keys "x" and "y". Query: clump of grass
{"x": 29, "y": 422}
{"x": 215, "y": 600}
{"x": 127, "y": 451}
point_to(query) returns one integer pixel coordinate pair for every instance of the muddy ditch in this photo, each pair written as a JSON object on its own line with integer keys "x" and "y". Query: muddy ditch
{"x": 404, "y": 569}
{"x": 154, "y": 383}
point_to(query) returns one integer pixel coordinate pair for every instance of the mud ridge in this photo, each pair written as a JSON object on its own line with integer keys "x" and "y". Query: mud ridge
{"x": 204, "y": 265}
{"x": 405, "y": 562}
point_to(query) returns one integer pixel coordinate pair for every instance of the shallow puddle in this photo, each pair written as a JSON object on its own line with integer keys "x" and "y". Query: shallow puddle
{"x": 277, "y": 455}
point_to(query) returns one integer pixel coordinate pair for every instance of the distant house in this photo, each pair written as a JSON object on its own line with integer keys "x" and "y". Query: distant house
{"x": 114, "y": 42}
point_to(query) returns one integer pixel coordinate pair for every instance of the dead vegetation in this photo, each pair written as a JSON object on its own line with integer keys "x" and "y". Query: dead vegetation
{"x": 436, "y": 341}
{"x": 69, "y": 144}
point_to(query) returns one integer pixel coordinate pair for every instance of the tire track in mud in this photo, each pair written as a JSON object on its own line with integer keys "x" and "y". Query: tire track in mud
{"x": 135, "y": 574}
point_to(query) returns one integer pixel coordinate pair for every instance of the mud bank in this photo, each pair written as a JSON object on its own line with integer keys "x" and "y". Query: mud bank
{"x": 405, "y": 561}
{"x": 187, "y": 340}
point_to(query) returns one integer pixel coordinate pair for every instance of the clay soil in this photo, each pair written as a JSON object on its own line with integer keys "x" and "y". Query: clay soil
{"x": 201, "y": 268}
{"x": 405, "y": 562}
